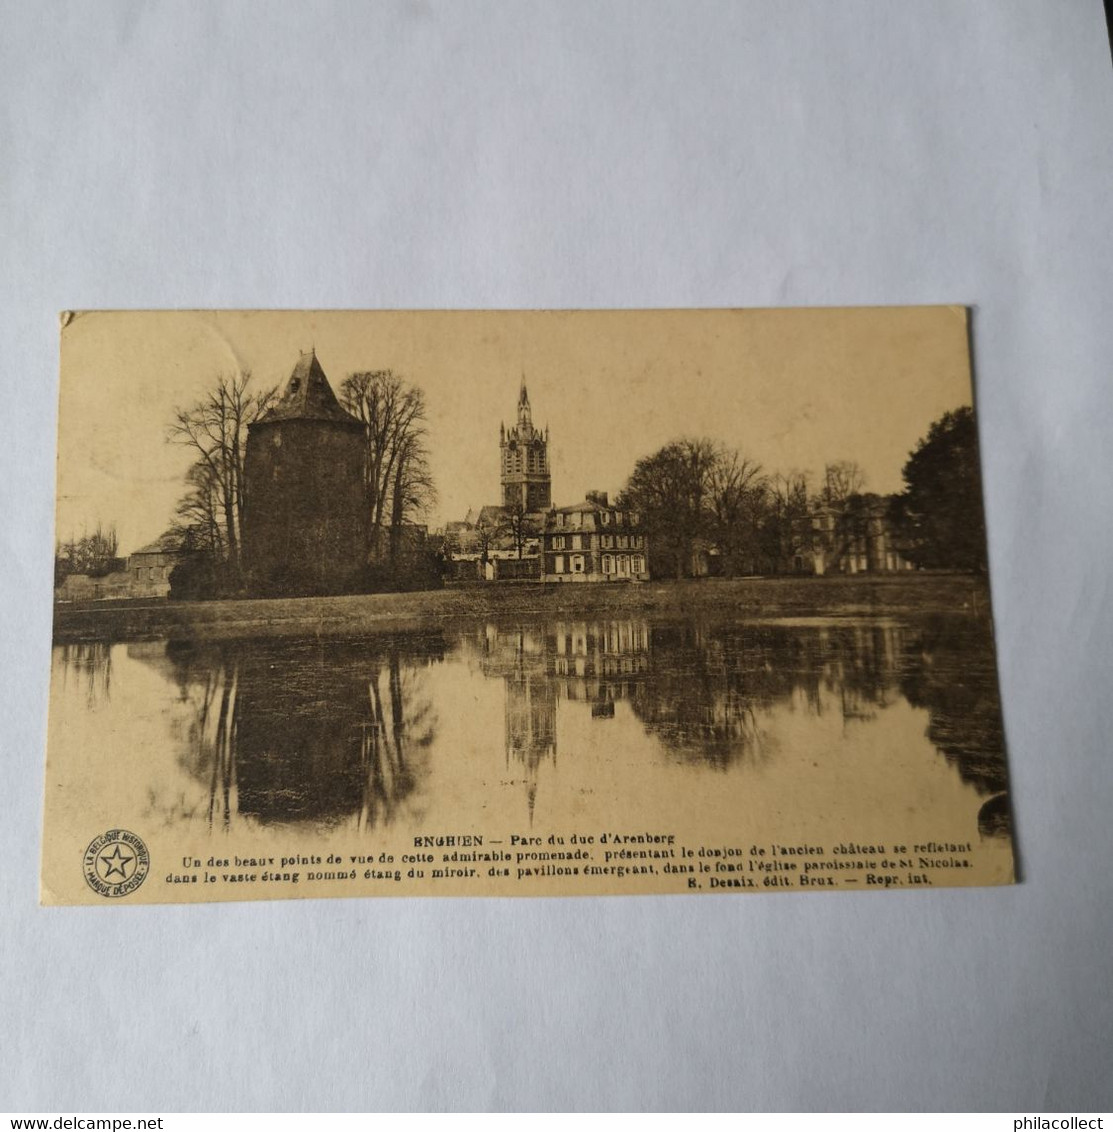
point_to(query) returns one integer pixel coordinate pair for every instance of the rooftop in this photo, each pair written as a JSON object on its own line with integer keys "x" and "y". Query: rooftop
{"x": 167, "y": 543}
{"x": 308, "y": 396}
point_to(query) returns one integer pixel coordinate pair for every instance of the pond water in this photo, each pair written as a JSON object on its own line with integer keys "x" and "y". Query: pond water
{"x": 824, "y": 729}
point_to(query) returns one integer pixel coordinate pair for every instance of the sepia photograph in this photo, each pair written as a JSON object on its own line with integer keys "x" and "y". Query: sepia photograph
{"x": 578, "y": 569}
{"x": 520, "y": 603}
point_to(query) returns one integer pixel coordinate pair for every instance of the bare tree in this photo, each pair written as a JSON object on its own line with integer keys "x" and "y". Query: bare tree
{"x": 670, "y": 492}
{"x": 399, "y": 484}
{"x": 786, "y": 526}
{"x": 198, "y": 517}
{"x": 736, "y": 500}
{"x": 216, "y": 429}
{"x": 515, "y": 524}
{"x": 94, "y": 554}
{"x": 485, "y": 535}
{"x": 413, "y": 491}
{"x": 841, "y": 480}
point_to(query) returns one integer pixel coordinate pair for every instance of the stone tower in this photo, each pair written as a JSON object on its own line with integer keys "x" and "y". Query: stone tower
{"x": 306, "y": 516}
{"x": 525, "y": 461}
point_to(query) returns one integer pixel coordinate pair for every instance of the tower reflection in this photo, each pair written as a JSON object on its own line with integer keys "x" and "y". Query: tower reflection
{"x": 330, "y": 730}
{"x": 318, "y": 731}
{"x": 517, "y": 655}
{"x": 592, "y": 662}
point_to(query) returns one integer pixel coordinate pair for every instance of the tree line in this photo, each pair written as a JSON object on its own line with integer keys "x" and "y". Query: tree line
{"x": 695, "y": 495}
{"x": 94, "y": 554}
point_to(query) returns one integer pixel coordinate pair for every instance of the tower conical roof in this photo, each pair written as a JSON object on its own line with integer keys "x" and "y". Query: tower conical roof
{"x": 308, "y": 395}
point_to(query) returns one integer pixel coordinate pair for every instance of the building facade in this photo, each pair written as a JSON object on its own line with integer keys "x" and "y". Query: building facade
{"x": 150, "y": 566}
{"x": 856, "y": 537}
{"x": 524, "y": 451}
{"x": 306, "y": 514}
{"x": 85, "y": 587}
{"x": 594, "y": 542}
{"x": 599, "y": 662}
{"x": 145, "y": 573}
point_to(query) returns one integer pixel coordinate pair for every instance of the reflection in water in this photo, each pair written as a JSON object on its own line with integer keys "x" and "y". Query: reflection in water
{"x": 592, "y": 662}
{"x": 951, "y": 673}
{"x": 711, "y": 681}
{"x": 91, "y": 664}
{"x": 518, "y": 656}
{"x": 304, "y": 730}
{"x": 702, "y": 687}
{"x": 698, "y": 686}
{"x": 328, "y": 731}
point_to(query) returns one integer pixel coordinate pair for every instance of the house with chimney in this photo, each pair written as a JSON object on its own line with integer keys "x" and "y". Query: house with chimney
{"x": 593, "y": 541}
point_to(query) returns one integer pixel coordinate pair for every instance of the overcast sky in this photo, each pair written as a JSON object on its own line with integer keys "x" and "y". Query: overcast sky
{"x": 792, "y": 389}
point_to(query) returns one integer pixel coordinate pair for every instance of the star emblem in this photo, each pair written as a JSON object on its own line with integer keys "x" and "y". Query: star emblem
{"x": 115, "y": 862}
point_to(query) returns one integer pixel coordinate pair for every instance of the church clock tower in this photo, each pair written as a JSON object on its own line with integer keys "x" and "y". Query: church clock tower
{"x": 526, "y": 482}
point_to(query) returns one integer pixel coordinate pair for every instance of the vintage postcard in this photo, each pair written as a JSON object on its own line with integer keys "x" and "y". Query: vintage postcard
{"x": 520, "y": 603}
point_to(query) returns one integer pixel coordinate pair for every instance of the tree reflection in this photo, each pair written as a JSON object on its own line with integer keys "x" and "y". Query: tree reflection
{"x": 388, "y": 739}
{"x": 90, "y": 662}
{"x": 701, "y": 687}
{"x": 323, "y": 731}
{"x": 317, "y": 730}
{"x": 710, "y": 683}
{"x": 953, "y": 675}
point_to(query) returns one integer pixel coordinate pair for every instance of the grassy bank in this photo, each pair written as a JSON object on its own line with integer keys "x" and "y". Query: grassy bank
{"x": 746, "y": 598}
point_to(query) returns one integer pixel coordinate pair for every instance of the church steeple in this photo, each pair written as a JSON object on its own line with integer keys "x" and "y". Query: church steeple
{"x": 525, "y": 460}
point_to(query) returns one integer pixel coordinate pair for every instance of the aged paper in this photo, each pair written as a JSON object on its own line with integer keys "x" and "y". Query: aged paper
{"x": 520, "y": 603}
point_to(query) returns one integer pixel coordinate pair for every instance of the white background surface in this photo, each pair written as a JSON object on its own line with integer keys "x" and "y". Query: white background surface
{"x": 582, "y": 155}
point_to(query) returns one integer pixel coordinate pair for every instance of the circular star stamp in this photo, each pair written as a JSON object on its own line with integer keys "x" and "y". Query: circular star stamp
{"x": 116, "y": 863}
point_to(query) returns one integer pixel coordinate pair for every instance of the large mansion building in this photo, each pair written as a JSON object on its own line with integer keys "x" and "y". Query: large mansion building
{"x": 593, "y": 542}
